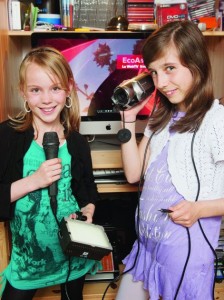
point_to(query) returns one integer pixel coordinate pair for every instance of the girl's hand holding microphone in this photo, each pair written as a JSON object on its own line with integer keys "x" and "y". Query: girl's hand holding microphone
{"x": 48, "y": 172}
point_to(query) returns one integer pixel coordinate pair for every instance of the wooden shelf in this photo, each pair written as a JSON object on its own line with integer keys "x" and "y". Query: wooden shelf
{"x": 95, "y": 290}
{"x": 106, "y": 159}
{"x": 92, "y": 291}
{"x": 219, "y": 291}
{"x": 213, "y": 33}
{"x": 116, "y": 188}
{"x": 19, "y": 33}
{"x": 28, "y": 33}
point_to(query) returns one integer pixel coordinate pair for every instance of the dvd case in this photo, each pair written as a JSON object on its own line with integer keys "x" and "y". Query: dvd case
{"x": 166, "y": 13}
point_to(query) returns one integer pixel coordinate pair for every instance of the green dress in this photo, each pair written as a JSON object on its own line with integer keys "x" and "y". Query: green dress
{"x": 37, "y": 259}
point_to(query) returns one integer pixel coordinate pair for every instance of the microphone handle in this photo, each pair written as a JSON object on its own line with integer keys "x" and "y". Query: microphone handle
{"x": 53, "y": 189}
{"x": 52, "y": 152}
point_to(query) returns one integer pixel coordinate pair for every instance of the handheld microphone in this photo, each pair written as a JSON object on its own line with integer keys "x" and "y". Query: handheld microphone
{"x": 51, "y": 146}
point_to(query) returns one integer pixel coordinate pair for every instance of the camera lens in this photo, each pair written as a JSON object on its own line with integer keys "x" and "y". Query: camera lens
{"x": 132, "y": 91}
{"x": 121, "y": 96}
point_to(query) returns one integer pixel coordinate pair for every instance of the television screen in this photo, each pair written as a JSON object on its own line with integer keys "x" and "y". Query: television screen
{"x": 100, "y": 61}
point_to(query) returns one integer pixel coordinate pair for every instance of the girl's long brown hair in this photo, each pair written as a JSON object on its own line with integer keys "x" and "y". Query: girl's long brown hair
{"x": 193, "y": 54}
{"x": 54, "y": 63}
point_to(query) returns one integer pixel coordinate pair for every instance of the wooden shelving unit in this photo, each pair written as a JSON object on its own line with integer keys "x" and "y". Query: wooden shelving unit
{"x": 28, "y": 33}
{"x": 13, "y": 47}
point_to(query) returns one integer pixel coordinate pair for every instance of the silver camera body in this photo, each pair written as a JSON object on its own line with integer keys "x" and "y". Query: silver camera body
{"x": 133, "y": 91}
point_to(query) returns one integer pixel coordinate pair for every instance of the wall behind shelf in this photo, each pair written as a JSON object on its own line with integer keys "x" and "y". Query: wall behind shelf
{"x": 18, "y": 43}
{"x": 14, "y": 45}
{"x": 216, "y": 49}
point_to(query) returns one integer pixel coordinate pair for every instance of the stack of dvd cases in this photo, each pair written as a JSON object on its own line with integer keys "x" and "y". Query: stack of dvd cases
{"x": 220, "y": 15}
{"x": 168, "y": 12}
{"x": 140, "y": 12}
{"x": 198, "y": 9}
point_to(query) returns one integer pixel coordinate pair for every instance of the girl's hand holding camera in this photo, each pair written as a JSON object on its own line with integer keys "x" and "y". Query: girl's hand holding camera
{"x": 129, "y": 115}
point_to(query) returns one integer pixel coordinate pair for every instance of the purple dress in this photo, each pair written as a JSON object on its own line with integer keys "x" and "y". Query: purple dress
{"x": 163, "y": 245}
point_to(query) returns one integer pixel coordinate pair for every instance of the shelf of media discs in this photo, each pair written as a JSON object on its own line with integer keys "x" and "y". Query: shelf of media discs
{"x": 110, "y": 263}
{"x": 219, "y": 264}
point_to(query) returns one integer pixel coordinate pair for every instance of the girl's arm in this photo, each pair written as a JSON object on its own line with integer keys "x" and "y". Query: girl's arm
{"x": 133, "y": 156}
{"x": 133, "y": 153}
{"x": 49, "y": 172}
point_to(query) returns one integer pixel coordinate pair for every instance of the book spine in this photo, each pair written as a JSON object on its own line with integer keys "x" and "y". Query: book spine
{"x": 16, "y": 16}
{"x": 71, "y": 11}
{"x": 9, "y": 9}
{"x": 64, "y": 12}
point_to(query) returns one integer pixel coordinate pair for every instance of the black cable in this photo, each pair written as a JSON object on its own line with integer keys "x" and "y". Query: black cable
{"x": 187, "y": 229}
{"x": 69, "y": 271}
{"x": 112, "y": 283}
{"x": 199, "y": 223}
{"x": 53, "y": 204}
{"x": 188, "y": 232}
{"x": 203, "y": 233}
{"x": 186, "y": 263}
{"x": 124, "y": 134}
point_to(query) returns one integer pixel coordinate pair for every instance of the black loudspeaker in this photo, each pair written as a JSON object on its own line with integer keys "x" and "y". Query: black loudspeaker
{"x": 117, "y": 210}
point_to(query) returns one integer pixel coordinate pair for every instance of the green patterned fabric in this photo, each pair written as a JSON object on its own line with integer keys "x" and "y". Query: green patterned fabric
{"x": 37, "y": 259}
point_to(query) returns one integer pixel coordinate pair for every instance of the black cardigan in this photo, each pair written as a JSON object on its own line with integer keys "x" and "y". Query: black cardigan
{"x": 14, "y": 145}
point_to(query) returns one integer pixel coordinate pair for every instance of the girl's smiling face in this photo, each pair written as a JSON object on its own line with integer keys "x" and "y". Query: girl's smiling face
{"x": 44, "y": 94}
{"x": 171, "y": 78}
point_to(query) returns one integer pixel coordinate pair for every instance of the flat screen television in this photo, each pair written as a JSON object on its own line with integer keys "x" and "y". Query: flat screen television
{"x": 100, "y": 61}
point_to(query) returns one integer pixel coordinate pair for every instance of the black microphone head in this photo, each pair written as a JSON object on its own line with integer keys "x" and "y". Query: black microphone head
{"x": 50, "y": 139}
{"x": 51, "y": 144}
{"x": 124, "y": 135}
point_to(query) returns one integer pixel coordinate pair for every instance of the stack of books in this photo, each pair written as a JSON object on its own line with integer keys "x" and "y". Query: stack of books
{"x": 220, "y": 15}
{"x": 67, "y": 12}
{"x": 21, "y": 15}
{"x": 109, "y": 270}
{"x": 110, "y": 263}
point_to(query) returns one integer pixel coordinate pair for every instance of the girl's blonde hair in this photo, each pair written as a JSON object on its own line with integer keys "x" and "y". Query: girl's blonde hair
{"x": 54, "y": 63}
